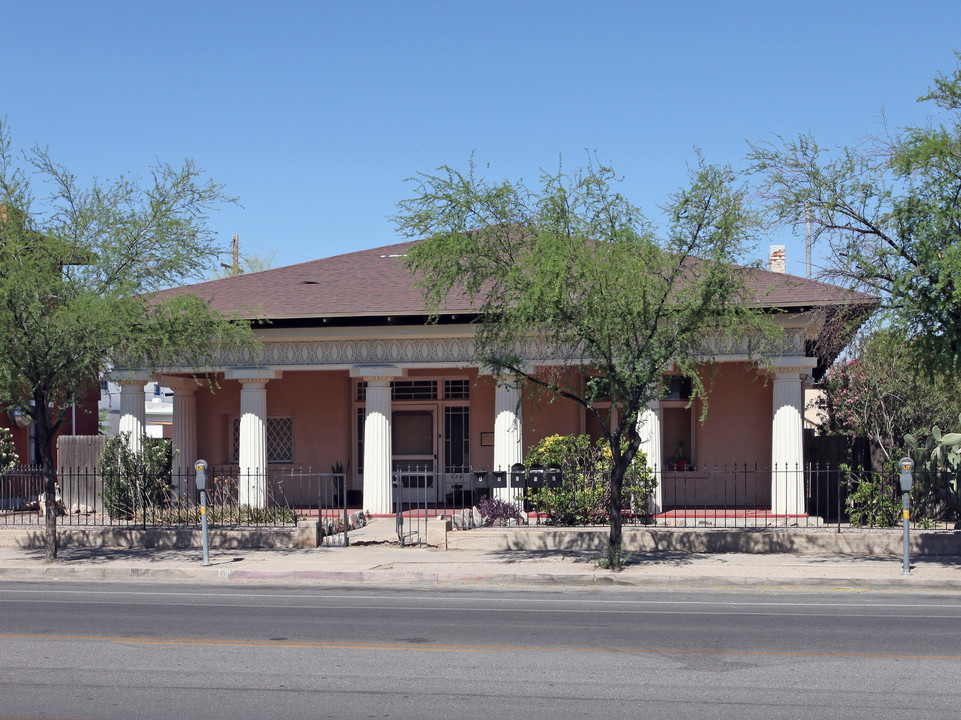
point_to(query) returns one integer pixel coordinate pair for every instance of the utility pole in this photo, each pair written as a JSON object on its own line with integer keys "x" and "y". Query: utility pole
{"x": 235, "y": 270}
{"x": 807, "y": 218}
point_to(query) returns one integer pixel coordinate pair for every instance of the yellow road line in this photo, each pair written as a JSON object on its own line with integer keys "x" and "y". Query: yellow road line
{"x": 427, "y": 647}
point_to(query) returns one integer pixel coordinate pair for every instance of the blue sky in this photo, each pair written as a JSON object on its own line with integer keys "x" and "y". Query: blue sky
{"x": 314, "y": 113}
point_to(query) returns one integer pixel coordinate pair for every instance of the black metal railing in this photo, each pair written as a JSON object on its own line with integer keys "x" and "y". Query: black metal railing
{"x": 746, "y": 496}
{"x": 735, "y": 496}
{"x": 277, "y": 497}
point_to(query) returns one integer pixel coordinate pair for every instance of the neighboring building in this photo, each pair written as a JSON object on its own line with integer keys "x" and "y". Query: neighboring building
{"x": 350, "y": 372}
{"x": 81, "y": 419}
{"x": 158, "y": 409}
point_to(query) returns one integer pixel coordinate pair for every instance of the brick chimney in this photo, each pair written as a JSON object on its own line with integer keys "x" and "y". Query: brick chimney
{"x": 778, "y": 259}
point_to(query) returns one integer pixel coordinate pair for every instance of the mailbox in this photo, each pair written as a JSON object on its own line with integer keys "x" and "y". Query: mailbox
{"x": 480, "y": 479}
{"x": 907, "y": 474}
{"x": 535, "y": 477}
{"x": 518, "y": 475}
{"x": 201, "y": 467}
{"x": 499, "y": 479}
{"x": 553, "y": 478}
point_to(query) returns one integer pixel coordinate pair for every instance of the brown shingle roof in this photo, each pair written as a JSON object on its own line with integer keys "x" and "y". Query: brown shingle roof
{"x": 375, "y": 283}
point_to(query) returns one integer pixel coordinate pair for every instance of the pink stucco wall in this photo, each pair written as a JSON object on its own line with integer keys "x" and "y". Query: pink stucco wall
{"x": 317, "y": 402}
{"x": 545, "y": 415}
{"x": 737, "y": 428}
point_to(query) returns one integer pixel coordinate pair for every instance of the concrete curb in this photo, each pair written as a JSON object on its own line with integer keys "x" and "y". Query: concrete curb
{"x": 659, "y": 581}
{"x": 711, "y": 541}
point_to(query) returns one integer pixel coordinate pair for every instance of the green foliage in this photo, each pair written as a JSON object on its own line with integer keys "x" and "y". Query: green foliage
{"x": 76, "y": 271}
{"x": 877, "y": 393}
{"x": 569, "y": 266}
{"x": 584, "y": 495}
{"x": 8, "y": 456}
{"x": 77, "y": 268}
{"x": 135, "y": 482}
{"x": 889, "y": 210}
{"x": 872, "y": 502}
{"x": 937, "y": 485}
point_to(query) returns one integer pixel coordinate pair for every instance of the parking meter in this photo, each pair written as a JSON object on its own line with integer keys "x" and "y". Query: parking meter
{"x": 201, "y": 467}
{"x": 907, "y": 474}
{"x": 906, "y": 480}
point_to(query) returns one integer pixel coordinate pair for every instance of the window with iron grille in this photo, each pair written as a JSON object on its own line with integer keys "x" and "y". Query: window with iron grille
{"x": 280, "y": 440}
{"x": 456, "y": 439}
{"x": 458, "y": 389}
{"x": 403, "y": 390}
{"x": 360, "y": 440}
{"x": 413, "y": 390}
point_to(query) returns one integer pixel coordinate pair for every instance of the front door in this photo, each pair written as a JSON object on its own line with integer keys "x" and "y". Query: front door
{"x": 414, "y": 441}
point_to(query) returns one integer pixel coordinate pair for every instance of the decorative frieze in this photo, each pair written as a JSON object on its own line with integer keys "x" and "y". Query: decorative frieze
{"x": 460, "y": 351}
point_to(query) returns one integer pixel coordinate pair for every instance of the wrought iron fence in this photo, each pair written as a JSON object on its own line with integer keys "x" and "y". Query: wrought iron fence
{"x": 235, "y": 499}
{"x": 736, "y": 496}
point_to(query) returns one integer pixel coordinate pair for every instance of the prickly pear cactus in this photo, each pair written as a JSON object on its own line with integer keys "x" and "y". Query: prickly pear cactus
{"x": 938, "y": 464}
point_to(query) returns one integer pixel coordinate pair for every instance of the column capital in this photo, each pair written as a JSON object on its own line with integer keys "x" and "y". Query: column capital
{"x": 376, "y": 371}
{"x": 378, "y": 380}
{"x": 183, "y": 385}
{"x": 256, "y": 383}
{"x": 790, "y": 365}
{"x": 261, "y": 374}
{"x": 124, "y": 378}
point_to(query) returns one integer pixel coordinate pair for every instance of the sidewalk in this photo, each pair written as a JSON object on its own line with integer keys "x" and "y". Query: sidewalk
{"x": 384, "y": 564}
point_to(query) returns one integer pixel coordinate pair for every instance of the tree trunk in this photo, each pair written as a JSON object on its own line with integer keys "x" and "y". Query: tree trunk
{"x": 45, "y": 435}
{"x": 615, "y": 542}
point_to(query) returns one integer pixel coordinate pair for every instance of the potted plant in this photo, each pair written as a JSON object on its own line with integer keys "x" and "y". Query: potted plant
{"x": 680, "y": 456}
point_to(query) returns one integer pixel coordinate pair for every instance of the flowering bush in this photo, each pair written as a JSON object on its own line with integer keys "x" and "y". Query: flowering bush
{"x": 498, "y": 512}
{"x": 877, "y": 393}
{"x": 8, "y": 457}
{"x": 584, "y": 496}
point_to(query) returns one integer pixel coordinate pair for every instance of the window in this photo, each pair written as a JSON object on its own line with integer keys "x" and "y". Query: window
{"x": 280, "y": 440}
{"x": 413, "y": 390}
{"x": 458, "y": 389}
{"x": 677, "y": 387}
{"x": 403, "y": 390}
{"x": 456, "y": 439}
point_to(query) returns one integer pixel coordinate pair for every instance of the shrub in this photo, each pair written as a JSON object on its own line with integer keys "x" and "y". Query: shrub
{"x": 871, "y": 503}
{"x": 497, "y": 512}
{"x": 584, "y": 495}
{"x": 8, "y": 458}
{"x": 135, "y": 481}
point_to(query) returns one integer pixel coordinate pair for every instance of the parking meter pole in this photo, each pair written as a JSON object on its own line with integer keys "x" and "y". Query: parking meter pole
{"x": 201, "y": 467}
{"x": 906, "y": 480}
{"x": 203, "y": 523}
{"x": 906, "y": 516}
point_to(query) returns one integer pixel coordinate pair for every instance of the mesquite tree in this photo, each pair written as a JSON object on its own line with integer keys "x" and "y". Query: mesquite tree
{"x": 573, "y": 266}
{"x": 76, "y": 270}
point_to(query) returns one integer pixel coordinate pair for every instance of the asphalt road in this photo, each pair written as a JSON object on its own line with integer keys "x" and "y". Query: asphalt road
{"x": 73, "y": 650}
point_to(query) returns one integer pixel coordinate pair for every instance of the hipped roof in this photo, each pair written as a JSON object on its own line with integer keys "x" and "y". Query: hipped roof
{"x": 376, "y": 283}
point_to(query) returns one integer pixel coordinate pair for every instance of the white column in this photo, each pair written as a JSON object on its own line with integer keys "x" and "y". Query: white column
{"x": 649, "y": 428}
{"x": 508, "y": 438}
{"x": 378, "y": 493}
{"x": 787, "y": 448}
{"x": 133, "y": 411}
{"x": 252, "y": 458}
{"x": 184, "y": 432}
{"x": 252, "y": 453}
